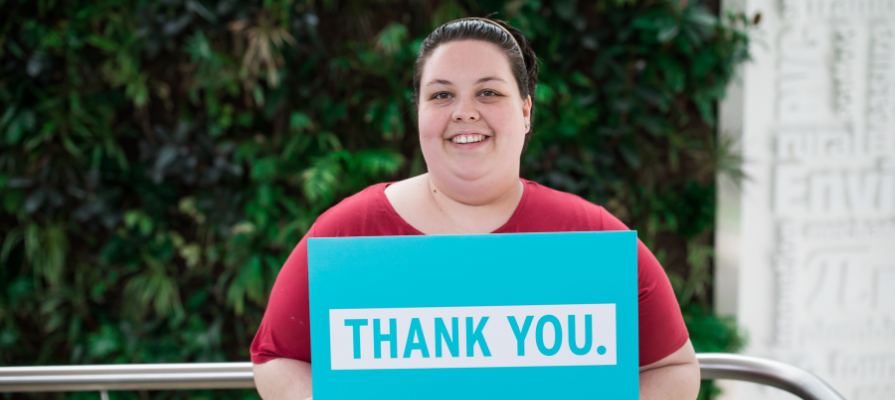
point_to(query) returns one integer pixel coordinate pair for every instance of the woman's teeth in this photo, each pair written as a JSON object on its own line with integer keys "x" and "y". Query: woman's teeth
{"x": 468, "y": 138}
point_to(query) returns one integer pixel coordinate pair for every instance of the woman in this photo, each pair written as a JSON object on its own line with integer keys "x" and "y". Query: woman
{"x": 474, "y": 81}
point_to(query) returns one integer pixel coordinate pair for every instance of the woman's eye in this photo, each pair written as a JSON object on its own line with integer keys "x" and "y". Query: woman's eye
{"x": 441, "y": 96}
{"x": 488, "y": 93}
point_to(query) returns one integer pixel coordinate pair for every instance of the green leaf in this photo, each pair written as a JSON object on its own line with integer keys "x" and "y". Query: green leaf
{"x": 581, "y": 79}
{"x": 320, "y": 181}
{"x": 102, "y": 43}
{"x": 391, "y": 38}
{"x": 11, "y": 239}
{"x": 700, "y": 15}
{"x": 192, "y": 254}
{"x": 300, "y": 122}
{"x": 378, "y": 163}
{"x": 201, "y": 10}
{"x": 673, "y": 72}
{"x": 667, "y": 33}
{"x": 265, "y": 169}
{"x": 629, "y": 153}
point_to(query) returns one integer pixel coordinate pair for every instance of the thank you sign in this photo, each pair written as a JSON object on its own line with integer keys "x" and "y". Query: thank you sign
{"x": 455, "y": 337}
{"x": 516, "y": 316}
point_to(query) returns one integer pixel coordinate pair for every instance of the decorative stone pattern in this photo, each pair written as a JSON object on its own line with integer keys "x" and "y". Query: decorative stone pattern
{"x": 815, "y": 225}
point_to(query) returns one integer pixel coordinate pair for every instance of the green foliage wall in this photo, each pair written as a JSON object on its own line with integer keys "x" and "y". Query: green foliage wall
{"x": 160, "y": 159}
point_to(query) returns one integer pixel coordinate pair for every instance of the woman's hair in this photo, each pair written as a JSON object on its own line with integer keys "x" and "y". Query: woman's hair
{"x": 521, "y": 56}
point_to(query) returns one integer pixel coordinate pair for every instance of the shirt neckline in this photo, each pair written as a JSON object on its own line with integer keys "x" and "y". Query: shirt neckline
{"x": 526, "y": 190}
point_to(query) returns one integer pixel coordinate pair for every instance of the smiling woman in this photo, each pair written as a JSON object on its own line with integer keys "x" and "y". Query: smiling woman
{"x": 474, "y": 81}
{"x": 473, "y": 122}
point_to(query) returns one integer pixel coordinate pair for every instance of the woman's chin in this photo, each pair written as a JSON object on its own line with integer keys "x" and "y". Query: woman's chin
{"x": 484, "y": 173}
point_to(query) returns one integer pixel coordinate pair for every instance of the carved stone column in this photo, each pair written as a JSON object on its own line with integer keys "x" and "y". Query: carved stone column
{"x": 806, "y": 245}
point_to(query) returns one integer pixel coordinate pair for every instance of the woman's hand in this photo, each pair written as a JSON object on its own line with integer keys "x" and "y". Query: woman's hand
{"x": 675, "y": 377}
{"x": 283, "y": 378}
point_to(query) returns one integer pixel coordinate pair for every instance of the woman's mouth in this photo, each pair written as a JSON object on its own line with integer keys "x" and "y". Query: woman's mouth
{"x": 472, "y": 138}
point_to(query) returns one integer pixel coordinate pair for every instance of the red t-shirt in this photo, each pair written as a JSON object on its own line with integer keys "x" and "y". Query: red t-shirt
{"x": 285, "y": 330}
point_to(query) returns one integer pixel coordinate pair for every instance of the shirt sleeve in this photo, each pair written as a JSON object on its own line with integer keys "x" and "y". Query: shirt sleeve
{"x": 661, "y": 325}
{"x": 285, "y": 330}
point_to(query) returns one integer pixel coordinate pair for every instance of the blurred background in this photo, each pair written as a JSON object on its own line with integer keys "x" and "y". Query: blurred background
{"x": 160, "y": 159}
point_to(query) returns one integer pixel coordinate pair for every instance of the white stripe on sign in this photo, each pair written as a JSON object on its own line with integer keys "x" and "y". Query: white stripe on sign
{"x": 472, "y": 337}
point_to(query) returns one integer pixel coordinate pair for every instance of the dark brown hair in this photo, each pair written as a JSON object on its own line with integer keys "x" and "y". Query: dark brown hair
{"x": 521, "y": 56}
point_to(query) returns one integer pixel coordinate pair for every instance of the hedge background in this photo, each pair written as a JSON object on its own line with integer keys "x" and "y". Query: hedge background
{"x": 159, "y": 160}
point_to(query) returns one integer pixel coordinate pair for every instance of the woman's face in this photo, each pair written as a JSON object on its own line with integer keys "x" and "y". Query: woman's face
{"x": 471, "y": 116}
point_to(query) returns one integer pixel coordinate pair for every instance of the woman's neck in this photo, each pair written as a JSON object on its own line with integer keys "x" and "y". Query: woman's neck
{"x": 435, "y": 208}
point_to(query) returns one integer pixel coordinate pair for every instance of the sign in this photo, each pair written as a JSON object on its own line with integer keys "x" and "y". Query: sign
{"x": 515, "y": 316}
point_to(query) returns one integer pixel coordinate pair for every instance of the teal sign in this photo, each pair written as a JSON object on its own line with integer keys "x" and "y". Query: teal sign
{"x": 501, "y": 316}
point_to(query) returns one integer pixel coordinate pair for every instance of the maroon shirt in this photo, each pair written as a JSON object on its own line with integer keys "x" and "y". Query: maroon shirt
{"x": 285, "y": 330}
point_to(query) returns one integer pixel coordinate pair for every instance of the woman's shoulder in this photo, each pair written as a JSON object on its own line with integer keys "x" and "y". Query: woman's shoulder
{"x": 558, "y": 200}
{"x": 563, "y": 211}
{"x": 362, "y": 214}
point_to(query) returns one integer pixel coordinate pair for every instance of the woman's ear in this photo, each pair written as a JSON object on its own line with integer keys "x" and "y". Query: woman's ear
{"x": 526, "y": 110}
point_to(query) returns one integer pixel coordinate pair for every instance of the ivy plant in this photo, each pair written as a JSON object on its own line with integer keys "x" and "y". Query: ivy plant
{"x": 160, "y": 159}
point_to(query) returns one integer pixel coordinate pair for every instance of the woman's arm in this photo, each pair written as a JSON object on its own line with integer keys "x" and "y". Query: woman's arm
{"x": 675, "y": 377}
{"x": 283, "y": 378}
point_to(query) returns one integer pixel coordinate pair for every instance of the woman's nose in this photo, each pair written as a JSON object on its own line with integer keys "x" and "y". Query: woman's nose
{"x": 466, "y": 111}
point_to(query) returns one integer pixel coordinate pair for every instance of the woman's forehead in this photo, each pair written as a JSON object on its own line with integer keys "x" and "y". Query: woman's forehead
{"x": 466, "y": 62}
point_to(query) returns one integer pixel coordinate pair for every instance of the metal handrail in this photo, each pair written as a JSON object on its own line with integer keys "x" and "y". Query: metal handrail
{"x": 766, "y": 372}
{"x": 83, "y": 378}
{"x": 239, "y": 375}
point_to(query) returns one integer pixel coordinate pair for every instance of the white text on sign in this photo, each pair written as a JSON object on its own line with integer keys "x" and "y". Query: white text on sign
{"x": 470, "y": 337}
